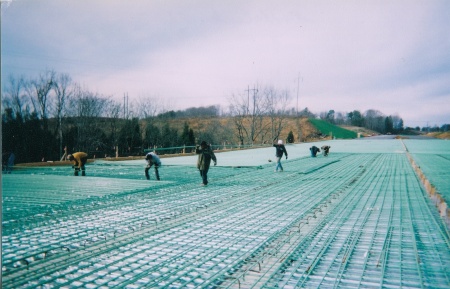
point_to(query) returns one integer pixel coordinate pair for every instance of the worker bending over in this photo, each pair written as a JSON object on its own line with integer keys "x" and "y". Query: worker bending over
{"x": 79, "y": 159}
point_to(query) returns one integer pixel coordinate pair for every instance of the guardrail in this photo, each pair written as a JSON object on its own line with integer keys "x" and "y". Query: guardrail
{"x": 191, "y": 149}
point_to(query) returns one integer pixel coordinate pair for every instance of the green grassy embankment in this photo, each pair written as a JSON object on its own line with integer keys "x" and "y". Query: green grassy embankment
{"x": 332, "y": 130}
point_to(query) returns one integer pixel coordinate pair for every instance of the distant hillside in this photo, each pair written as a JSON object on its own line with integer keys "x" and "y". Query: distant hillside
{"x": 364, "y": 132}
{"x": 441, "y": 135}
{"x": 331, "y": 130}
{"x": 303, "y": 129}
{"x": 300, "y": 127}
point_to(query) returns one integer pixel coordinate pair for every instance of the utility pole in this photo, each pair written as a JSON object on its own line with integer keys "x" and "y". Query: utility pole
{"x": 255, "y": 90}
{"x": 125, "y": 105}
{"x": 298, "y": 88}
{"x": 253, "y": 116}
{"x": 299, "y": 130}
{"x": 248, "y": 97}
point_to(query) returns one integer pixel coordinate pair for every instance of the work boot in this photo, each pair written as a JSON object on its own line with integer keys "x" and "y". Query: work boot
{"x": 75, "y": 173}
{"x": 83, "y": 173}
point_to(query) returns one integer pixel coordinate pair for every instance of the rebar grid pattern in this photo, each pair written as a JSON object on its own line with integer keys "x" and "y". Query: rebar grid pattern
{"x": 345, "y": 221}
{"x": 387, "y": 242}
{"x": 437, "y": 167}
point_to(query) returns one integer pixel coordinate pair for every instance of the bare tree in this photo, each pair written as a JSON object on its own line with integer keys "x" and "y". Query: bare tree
{"x": 258, "y": 109}
{"x": 91, "y": 105}
{"x": 113, "y": 113}
{"x": 323, "y": 115}
{"x": 63, "y": 92}
{"x": 215, "y": 131}
{"x": 89, "y": 110}
{"x": 374, "y": 120}
{"x": 148, "y": 107}
{"x": 40, "y": 89}
{"x": 249, "y": 113}
{"x": 340, "y": 118}
{"x": 14, "y": 96}
{"x": 239, "y": 109}
{"x": 277, "y": 103}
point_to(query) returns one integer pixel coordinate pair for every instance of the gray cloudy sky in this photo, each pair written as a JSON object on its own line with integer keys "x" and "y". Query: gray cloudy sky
{"x": 392, "y": 56}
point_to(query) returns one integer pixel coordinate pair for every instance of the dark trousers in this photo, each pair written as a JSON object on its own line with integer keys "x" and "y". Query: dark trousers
{"x": 204, "y": 175}
{"x": 147, "y": 175}
{"x": 83, "y": 168}
{"x": 77, "y": 170}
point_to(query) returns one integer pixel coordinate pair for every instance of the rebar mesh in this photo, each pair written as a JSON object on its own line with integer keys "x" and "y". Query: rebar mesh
{"x": 358, "y": 218}
{"x": 433, "y": 157}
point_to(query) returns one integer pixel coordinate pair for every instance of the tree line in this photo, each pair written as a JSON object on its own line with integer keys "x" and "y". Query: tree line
{"x": 43, "y": 116}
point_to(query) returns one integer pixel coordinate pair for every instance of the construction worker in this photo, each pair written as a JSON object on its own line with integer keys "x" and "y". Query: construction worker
{"x": 152, "y": 159}
{"x": 314, "y": 150}
{"x": 280, "y": 150}
{"x": 205, "y": 155}
{"x": 325, "y": 150}
{"x": 79, "y": 159}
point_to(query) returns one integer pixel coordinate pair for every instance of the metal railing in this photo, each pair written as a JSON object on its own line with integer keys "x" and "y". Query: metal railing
{"x": 191, "y": 149}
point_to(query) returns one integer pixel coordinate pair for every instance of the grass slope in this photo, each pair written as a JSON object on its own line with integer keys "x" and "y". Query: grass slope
{"x": 332, "y": 130}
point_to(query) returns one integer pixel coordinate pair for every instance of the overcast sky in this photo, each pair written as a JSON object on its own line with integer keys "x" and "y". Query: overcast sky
{"x": 392, "y": 56}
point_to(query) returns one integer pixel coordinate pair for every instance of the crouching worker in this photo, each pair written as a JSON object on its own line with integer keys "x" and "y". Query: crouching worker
{"x": 205, "y": 155}
{"x": 79, "y": 159}
{"x": 314, "y": 150}
{"x": 325, "y": 150}
{"x": 152, "y": 160}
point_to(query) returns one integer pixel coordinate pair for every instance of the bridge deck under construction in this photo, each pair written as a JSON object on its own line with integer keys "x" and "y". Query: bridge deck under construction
{"x": 359, "y": 218}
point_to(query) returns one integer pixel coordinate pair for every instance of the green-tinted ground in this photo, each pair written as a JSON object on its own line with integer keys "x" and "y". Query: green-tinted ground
{"x": 357, "y": 218}
{"x": 332, "y": 130}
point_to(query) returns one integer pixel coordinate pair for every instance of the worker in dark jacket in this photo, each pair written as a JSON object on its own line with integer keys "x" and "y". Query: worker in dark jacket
{"x": 152, "y": 160}
{"x": 205, "y": 155}
{"x": 314, "y": 150}
{"x": 280, "y": 150}
{"x": 79, "y": 159}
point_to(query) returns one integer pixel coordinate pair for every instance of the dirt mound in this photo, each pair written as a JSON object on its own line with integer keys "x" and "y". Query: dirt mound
{"x": 441, "y": 135}
{"x": 302, "y": 129}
